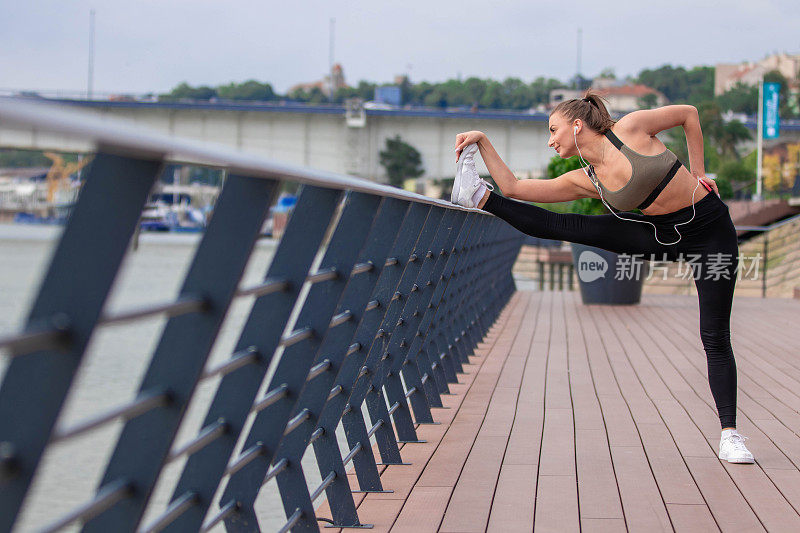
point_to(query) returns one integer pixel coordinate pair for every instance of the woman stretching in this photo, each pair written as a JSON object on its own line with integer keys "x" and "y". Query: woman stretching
{"x": 637, "y": 171}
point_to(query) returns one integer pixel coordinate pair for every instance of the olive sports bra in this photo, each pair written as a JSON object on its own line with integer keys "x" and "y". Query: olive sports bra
{"x": 650, "y": 174}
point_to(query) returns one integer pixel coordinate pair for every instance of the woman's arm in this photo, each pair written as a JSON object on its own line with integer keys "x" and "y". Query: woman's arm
{"x": 572, "y": 185}
{"x": 569, "y": 186}
{"x": 500, "y": 173}
{"x": 653, "y": 121}
{"x": 498, "y": 169}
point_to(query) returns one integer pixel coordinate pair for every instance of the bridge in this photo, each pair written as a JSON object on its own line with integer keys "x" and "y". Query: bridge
{"x": 321, "y": 137}
{"x": 327, "y": 137}
{"x": 392, "y": 319}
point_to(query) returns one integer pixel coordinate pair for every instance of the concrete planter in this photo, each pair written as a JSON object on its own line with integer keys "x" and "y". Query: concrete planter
{"x": 596, "y": 270}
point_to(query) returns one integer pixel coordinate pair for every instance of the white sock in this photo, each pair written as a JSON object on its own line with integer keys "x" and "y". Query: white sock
{"x": 727, "y": 433}
{"x": 478, "y": 196}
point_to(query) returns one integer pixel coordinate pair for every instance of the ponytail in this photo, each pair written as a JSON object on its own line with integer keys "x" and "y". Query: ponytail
{"x": 591, "y": 109}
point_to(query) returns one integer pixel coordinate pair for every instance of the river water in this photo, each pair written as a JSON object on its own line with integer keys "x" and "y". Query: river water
{"x": 114, "y": 365}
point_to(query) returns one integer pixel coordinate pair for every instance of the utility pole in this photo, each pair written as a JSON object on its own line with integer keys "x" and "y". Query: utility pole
{"x": 90, "y": 81}
{"x": 332, "y": 87}
{"x": 580, "y": 39}
{"x": 760, "y": 141}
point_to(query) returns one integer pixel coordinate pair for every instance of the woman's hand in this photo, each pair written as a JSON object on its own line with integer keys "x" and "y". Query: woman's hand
{"x": 709, "y": 183}
{"x": 465, "y": 139}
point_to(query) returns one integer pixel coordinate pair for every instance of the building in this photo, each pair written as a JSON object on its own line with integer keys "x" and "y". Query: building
{"x": 727, "y": 75}
{"x": 325, "y": 84}
{"x": 389, "y": 94}
{"x": 630, "y": 97}
{"x": 621, "y": 97}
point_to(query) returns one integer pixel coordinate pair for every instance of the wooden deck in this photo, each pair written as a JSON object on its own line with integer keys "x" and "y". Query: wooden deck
{"x": 600, "y": 418}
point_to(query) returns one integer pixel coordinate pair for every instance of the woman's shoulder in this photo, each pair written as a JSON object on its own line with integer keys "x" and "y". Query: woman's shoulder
{"x": 634, "y": 124}
{"x": 629, "y": 122}
{"x": 658, "y": 119}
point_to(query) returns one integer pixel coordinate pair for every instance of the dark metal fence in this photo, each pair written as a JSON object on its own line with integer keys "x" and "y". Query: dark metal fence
{"x": 374, "y": 297}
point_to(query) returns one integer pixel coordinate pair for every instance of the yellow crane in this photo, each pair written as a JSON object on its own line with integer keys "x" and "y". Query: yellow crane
{"x": 59, "y": 173}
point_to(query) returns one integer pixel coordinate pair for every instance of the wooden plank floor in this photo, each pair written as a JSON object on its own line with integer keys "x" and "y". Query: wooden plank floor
{"x": 600, "y": 418}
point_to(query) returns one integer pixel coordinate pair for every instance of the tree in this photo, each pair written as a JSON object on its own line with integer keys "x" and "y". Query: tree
{"x": 401, "y": 161}
{"x": 249, "y": 90}
{"x": 494, "y": 95}
{"x": 582, "y": 206}
{"x": 418, "y": 93}
{"x": 23, "y": 158}
{"x": 473, "y": 91}
{"x": 558, "y": 166}
{"x": 700, "y": 84}
{"x": 314, "y": 96}
{"x": 517, "y": 94}
{"x": 184, "y": 90}
{"x": 540, "y": 89}
{"x": 680, "y": 85}
{"x": 343, "y": 93}
{"x": 608, "y": 73}
{"x": 733, "y": 172}
{"x": 740, "y": 98}
{"x": 730, "y": 135}
{"x": 436, "y": 98}
{"x": 366, "y": 90}
{"x": 647, "y": 101}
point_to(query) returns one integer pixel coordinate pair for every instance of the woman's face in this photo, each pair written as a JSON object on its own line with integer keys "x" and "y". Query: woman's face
{"x": 561, "y": 139}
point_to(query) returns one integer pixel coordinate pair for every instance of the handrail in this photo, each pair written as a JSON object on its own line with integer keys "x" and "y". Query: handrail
{"x": 772, "y": 226}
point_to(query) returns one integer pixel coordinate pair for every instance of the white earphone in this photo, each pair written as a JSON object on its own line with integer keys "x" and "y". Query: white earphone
{"x": 593, "y": 179}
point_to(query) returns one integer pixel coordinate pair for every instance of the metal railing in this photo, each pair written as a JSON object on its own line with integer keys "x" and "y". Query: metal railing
{"x": 768, "y": 262}
{"x": 370, "y": 298}
{"x": 777, "y": 248}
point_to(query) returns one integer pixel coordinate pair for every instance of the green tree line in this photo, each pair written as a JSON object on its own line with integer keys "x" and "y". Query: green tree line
{"x": 512, "y": 93}
{"x": 680, "y": 85}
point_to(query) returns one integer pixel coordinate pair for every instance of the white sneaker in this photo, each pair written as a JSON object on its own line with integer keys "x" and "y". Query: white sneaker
{"x": 468, "y": 187}
{"x": 733, "y": 450}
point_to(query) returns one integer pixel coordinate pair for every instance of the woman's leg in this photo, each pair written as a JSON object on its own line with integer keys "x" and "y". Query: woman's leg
{"x": 715, "y": 278}
{"x": 603, "y": 231}
{"x": 715, "y": 244}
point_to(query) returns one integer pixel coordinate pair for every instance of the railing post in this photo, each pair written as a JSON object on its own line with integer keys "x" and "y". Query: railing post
{"x": 370, "y": 388}
{"x": 326, "y": 447}
{"x": 336, "y": 343}
{"x": 300, "y": 351}
{"x": 455, "y": 321}
{"x": 472, "y": 311}
{"x": 71, "y": 298}
{"x": 436, "y": 343}
{"x": 766, "y": 256}
{"x": 541, "y": 275}
{"x": 432, "y": 366}
{"x": 262, "y": 331}
{"x": 185, "y": 343}
{"x": 422, "y": 394}
{"x": 391, "y": 380}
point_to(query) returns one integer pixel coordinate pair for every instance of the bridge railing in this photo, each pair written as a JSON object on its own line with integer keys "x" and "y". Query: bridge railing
{"x": 374, "y": 296}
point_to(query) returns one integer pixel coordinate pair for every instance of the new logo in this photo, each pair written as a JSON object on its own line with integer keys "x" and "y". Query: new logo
{"x": 591, "y": 266}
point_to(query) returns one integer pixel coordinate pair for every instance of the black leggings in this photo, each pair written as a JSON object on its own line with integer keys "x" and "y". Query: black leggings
{"x": 708, "y": 235}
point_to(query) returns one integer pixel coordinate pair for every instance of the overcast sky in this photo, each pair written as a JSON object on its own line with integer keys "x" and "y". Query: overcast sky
{"x": 152, "y": 45}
